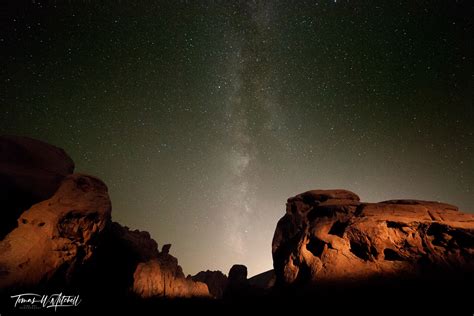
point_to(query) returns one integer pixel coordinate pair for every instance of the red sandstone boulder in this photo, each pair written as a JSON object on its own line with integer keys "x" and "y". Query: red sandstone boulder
{"x": 330, "y": 236}
{"x": 56, "y": 235}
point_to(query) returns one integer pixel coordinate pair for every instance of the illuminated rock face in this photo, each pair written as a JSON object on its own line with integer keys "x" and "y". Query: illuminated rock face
{"x": 163, "y": 277}
{"x": 56, "y": 235}
{"x": 330, "y": 237}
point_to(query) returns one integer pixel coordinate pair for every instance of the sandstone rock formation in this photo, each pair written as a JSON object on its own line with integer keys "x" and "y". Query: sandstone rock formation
{"x": 63, "y": 237}
{"x": 55, "y": 235}
{"x": 216, "y": 281}
{"x": 163, "y": 277}
{"x": 138, "y": 244}
{"x": 119, "y": 251}
{"x": 30, "y": 172}
{"x": 264, "y": 280}
{"x": 238, "y": 274}
{"x": 67, "y": 240}
{"x": 238, "y": 285}
{"x": 329, "y": 236}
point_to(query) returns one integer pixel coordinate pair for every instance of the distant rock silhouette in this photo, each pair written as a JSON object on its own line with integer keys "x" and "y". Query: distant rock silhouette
{"x": 138, "y": 244}
{"x": 238, "y": 274}
{"x": 264, "y": 280}
{"x": 330, "y": 237}
{"x": 30, "y": 172}
{"x": 216, "y": 281}
{"x": 238, "y": 286}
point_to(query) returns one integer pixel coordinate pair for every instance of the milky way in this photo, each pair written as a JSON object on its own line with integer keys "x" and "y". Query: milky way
{"x": 204, "y": 117}
{"x": 248, "y": 103}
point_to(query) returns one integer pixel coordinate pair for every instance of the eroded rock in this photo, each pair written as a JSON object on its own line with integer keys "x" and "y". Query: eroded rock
{"x": 56, "y": 235}
{"x": 330, "y": 236}
{"x": 163, "y": 277}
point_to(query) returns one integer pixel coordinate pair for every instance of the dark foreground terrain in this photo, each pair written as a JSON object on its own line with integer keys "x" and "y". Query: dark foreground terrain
{"x": 408, "y": 298}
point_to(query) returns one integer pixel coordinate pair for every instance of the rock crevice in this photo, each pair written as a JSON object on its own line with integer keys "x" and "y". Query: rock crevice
{"x": 329, "y": 235}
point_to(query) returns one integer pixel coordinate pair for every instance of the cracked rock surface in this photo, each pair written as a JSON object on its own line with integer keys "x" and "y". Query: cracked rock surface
{"x": 330, "y": 237}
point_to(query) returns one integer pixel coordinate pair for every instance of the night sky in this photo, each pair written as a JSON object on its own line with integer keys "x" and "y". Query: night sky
{"x": 204, "y": 117}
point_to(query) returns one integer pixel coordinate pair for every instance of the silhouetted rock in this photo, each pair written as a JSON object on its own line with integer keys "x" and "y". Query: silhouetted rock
{"x": 238, "y": 286}
{"x": 264, "y": 280}
{"x": 238, "y": 274}
{"x": 166, "y": 249}
{"x": 135, "y": 243}
{"x": 216, "y": 281}
{"x": 30, "y": 172}
{"x": 56, "y": 235}
{"x": 329, "y": 237}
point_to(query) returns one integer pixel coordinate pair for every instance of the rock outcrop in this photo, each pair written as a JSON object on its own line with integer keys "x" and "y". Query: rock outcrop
{"x": 237, "y": 274}
{"x": 264, "y": 280}
{"x": 55, "y": 235}
{"x": 66, "y": 238}
{"x": 238, "y": 286}
{"x": 216, "y": 281}
{"x": 135, "y": 243}
{"x": 30, "y": 172}
{"x": 118, "y": 253}
{"x": 163, "y": 277}
{"x": 329, "y": 236}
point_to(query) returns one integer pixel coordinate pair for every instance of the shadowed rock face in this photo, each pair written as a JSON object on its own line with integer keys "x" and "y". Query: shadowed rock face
{"x": 216, "y": 281}
{"x": 128, "y": 261}
{"x": 237, "y": 274}
{"x": 330, "y": 236}
{"x": 264, "y": 280}
{"x": 55, "y": 235}
{"x": 30, "y": 172}
{"x": 137, "y": 244}
{"x": 238, "y": 286}
{"x": 119, "y": 252}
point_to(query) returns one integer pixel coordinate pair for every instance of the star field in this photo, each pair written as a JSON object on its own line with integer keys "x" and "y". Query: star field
{"x": 204, "y": 117}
